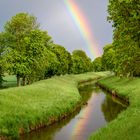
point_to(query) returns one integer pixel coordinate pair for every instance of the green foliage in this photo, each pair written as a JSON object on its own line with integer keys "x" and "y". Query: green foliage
{"x": 26, "y": 47}
{"x": 16, "y": 32}
{"x": 63, "y": 57}
{"x": 97, "y": 64}
{"x": 108, "y": 58}
{"x": 125, "y": 17}
{"x": 80, "y": 62}
{"x": 36, "y": 53}
{"x": 20, "y": 24}
{"x": 52, "y": 64}
{"x": 2, "y": 63}
{"x": 137, "y": 63}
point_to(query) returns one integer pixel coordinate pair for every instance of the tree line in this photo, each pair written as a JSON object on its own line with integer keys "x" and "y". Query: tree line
{"x": 122, "y": 56}
{"x": 30, "y": 53}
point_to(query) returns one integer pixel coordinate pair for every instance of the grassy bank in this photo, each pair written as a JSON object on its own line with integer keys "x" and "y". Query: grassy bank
{"x": 27, "y": 108}
{"x": 127, "y": 125}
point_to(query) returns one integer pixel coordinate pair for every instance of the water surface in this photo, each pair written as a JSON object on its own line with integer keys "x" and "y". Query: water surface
{"x": 99, "y": 109}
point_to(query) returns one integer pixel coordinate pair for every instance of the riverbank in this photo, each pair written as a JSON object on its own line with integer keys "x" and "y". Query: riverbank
{"x": 25, "y": 109}
{"x": 127, "y": 125}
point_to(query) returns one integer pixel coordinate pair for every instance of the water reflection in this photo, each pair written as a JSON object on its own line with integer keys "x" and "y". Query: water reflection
{"x": 98, "y": 109}
{"x": 86, "y": 92}
{"x": 111, "y": 107}
{"x": 49, "y": 132}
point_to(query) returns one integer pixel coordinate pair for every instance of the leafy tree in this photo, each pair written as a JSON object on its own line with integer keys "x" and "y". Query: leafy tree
{"x": 97, "y": 64}
{"x": 1, "y": 59}
{"x": 80, "y": 62}
{"x": 17, "y": 29}
{"x": 35, "y": 44}
{"x": 77, "y": 65}
{"x": 26, "y": 45}
{"x": 52, "y": 64}
{"x": 63, "y": 57}
{"x": 125, "y": 17}
{"x": 137, "y": 63}
{"x": 108, "y": 58}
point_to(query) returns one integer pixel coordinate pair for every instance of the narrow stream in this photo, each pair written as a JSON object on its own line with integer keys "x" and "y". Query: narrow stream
{"x": 99, "y": 109}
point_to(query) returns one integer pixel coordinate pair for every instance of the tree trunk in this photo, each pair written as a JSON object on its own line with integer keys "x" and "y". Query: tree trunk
{"x": 18, "y": 80}
{"x": 24, "y": 81}
{"x": 28, "y": 81}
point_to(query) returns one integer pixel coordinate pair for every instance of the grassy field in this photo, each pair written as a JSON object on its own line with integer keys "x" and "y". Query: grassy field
{"x": 9, "y": 81}
{"x": 23, "y": 109}
{"x": 127, "y": 125}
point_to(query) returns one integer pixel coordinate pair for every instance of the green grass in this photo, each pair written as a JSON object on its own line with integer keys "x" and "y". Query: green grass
{"x": 127, "y": 125}
{"x": 23, "y": 108}
{"x": 9, "y": 81}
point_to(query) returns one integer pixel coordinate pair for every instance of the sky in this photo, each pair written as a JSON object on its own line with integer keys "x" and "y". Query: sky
{"x": 55, "y": 17}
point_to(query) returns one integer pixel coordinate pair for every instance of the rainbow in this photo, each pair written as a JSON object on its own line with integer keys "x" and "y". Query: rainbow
{"x": 82, "y": 23}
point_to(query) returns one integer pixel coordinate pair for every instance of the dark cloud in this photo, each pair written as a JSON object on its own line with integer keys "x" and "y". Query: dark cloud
{"x": 53, "y": 17}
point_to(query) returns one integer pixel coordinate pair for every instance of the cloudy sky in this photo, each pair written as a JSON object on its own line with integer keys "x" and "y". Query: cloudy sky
{"x": 53, "y": 16}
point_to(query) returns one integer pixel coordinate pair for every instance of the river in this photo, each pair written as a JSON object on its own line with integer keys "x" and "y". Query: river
{"x": 99, "y": 109}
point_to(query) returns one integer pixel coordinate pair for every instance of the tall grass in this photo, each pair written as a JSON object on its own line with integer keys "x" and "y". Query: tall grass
{"x": 127, "y": 125}
{"x": 23, "y": 109}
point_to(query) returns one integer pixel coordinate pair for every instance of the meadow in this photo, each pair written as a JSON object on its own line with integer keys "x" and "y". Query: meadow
{"x": 28, "y": 108}
{"x": 9, "y": 81}
{"x": 127, "y": 125}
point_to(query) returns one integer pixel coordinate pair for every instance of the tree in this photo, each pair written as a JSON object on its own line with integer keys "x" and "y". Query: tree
{"x": 137, "y": 63}
{"x": 35, "y": 44}
{"x": 1, "y": 58}
{"x": 17, "y": 29}
{"x": 108, "y": 58}
{"x": 125, "y": 17}
{"x": 53, "y": 64}
{"x": 80, "y": 62}
{"x": 26, "y": 45}
{"x": 97, "y": 64}
{"x": 63, "y": 57}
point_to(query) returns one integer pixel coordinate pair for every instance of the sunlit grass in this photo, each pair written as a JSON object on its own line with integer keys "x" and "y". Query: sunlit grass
{"x": 127, "y": 125}
{"x": 23, "y": 108}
